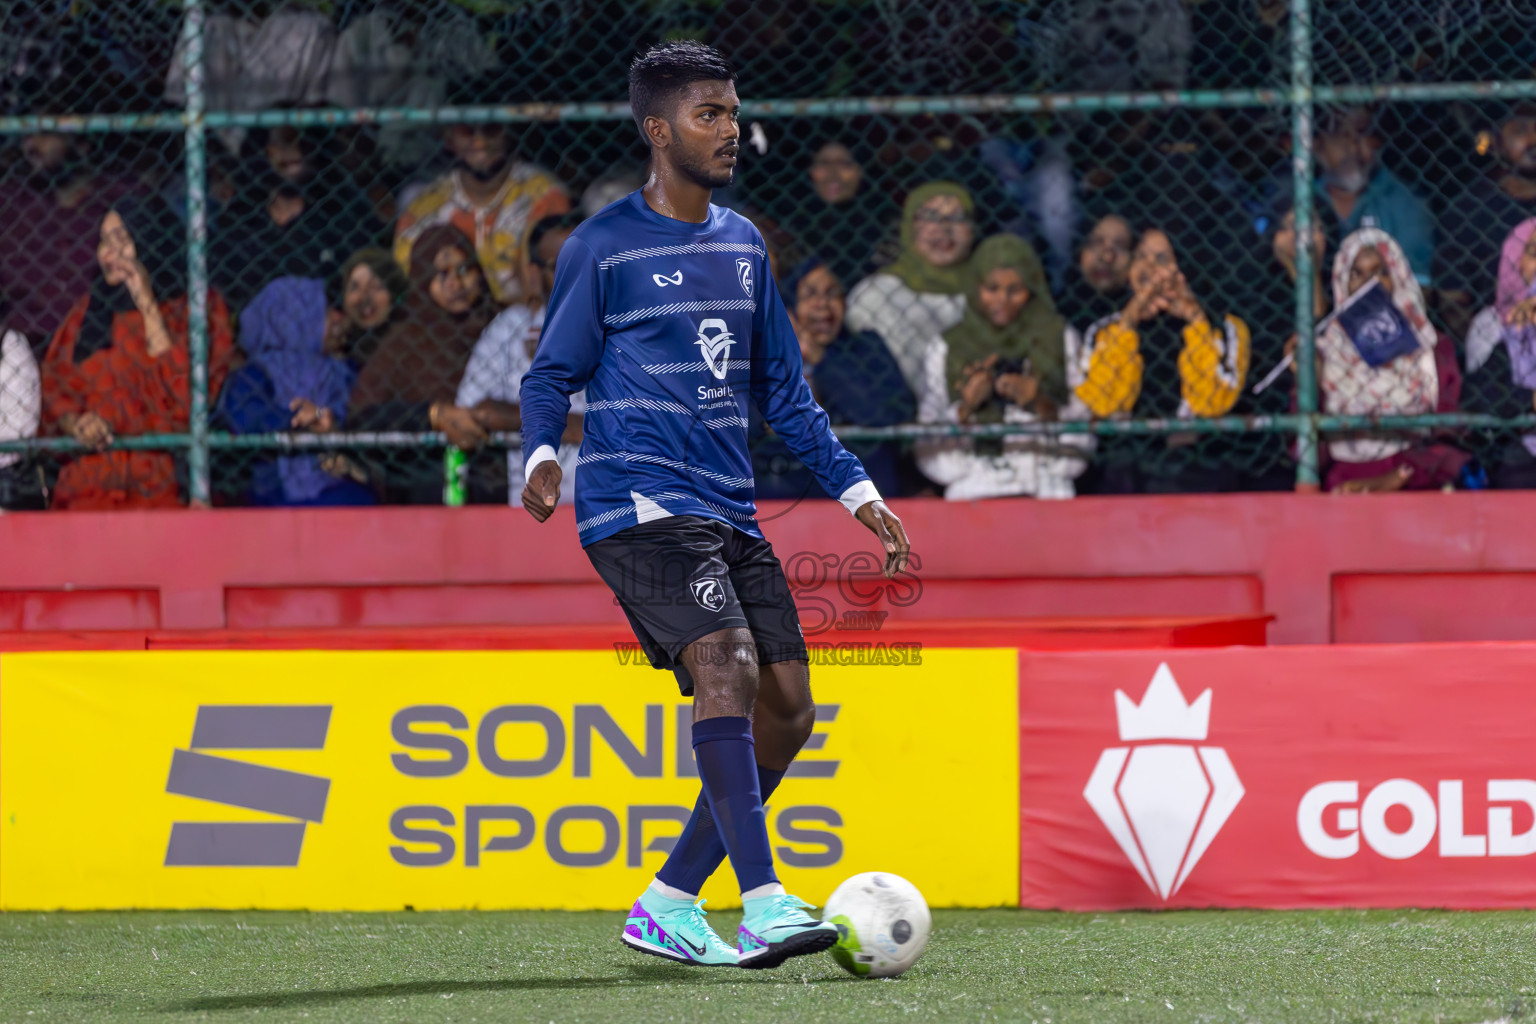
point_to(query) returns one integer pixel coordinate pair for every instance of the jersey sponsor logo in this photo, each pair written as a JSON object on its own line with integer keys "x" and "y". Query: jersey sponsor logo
{"x": 709, "y": 593}
{"x": 662, "y": 280}
{"x": 744, "y": 275}
{"x": 1164, "y": 802}
{"x": 715, "y": 343}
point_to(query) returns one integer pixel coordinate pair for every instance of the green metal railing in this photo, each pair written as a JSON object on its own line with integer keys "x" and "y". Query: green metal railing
{"x": 901, "y": 106}
{"x": 197, "y": 256}
{"x": 1301, "y": 184}
{"x": 1306, "y": 424}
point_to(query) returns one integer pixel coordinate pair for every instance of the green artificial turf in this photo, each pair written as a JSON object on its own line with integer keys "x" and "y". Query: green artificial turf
{"x": 980, "y": 965}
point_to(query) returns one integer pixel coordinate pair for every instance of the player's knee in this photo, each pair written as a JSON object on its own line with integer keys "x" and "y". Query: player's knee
{"x": 725, "y": 674}
{"x": 802, "y": 723}
{"x": 739, "y": 665}
{"x": 789, "y": 723}
{"x": 726, "y": 693}
{"x": 743, "y": 658}
{"x": 739, "y": 679}
{"x": 743, "y": 677}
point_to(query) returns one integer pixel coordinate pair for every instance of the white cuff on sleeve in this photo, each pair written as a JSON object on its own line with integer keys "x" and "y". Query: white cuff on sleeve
{"x": 543, "y": 453}
{"x": 859, "y": 495}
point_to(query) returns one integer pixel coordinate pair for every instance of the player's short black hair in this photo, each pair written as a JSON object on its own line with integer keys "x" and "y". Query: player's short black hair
{"x": 660, "y": 73}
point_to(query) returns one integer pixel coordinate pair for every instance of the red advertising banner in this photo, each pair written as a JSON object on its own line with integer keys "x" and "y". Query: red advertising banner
{"x": 1374, "y": 776}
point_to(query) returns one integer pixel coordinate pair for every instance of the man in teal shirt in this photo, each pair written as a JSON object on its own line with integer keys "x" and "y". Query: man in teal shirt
{"x": 1365, "y": 194}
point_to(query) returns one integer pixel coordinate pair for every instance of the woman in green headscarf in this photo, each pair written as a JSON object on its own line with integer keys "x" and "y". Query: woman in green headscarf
{"x": 922, "y": 294}
{"x": 1003, "y": 362}
{"x": 1010, "y": 334}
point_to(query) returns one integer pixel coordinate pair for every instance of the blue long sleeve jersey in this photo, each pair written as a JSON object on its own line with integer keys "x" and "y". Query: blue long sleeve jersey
{"x": 670, "y": 326}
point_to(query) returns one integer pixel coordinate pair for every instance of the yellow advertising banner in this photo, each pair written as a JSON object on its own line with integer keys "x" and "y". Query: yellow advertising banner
{"x": 496, "y": 780}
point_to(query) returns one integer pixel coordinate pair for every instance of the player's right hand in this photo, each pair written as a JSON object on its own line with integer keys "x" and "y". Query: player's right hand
{"x": 542, "y": 492}
{"x": 882, "y": 522}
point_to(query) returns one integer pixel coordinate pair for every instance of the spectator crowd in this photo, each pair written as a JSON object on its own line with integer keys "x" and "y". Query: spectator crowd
{"x": 1113, "y": 267}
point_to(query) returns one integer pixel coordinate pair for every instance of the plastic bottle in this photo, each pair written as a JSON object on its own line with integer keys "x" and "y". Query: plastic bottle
{"x": 455, "y": 477}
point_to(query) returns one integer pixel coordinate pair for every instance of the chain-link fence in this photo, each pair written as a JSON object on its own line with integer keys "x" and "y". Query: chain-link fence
{"x": 297, "y": 253}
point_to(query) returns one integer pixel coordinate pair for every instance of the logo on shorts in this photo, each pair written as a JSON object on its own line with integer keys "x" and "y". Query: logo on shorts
{"x": 744, "y": 275}
{"x": 709, "y": 593}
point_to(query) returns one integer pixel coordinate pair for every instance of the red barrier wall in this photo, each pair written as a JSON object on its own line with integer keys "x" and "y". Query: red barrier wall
{"x": 1380, "y": 776}
{"x": 1370, "y": 569}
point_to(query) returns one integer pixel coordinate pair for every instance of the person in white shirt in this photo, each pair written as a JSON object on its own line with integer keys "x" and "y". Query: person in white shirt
{"x": 21, "y": 408}
{"x": 492, "y": 382}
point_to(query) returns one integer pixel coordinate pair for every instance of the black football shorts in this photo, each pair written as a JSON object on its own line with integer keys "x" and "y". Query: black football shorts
{"x": 683, "y": 577}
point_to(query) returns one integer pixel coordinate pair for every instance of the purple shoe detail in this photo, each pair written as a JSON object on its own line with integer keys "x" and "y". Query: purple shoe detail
{"x": 638, "y": 916}
{"x": 746, "y": 942}
{"x": 641, "y": 925}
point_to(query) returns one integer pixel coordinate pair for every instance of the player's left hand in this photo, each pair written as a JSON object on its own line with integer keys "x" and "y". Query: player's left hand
{"x": 542, "y": 492}
{"x": 882, "y": 522}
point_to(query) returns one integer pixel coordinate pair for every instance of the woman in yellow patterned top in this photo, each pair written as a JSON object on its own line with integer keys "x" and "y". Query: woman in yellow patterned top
{"x": 1166, "y": 354}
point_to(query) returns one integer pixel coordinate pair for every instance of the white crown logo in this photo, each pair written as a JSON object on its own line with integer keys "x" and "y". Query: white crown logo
{"x": 1162, "y": 802}
{"x": 1163, "y": 713}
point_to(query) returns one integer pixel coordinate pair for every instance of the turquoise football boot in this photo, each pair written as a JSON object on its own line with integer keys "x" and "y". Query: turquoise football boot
{"x": 675, "y": 930}
{"x": 775, "y": 928}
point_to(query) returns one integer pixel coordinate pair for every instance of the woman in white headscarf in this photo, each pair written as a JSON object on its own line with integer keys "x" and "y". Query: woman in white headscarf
{"x": 1424, "y": 380}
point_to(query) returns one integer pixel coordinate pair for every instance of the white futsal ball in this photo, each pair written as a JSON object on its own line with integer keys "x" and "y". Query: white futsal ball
{"x": 885, "y": 924}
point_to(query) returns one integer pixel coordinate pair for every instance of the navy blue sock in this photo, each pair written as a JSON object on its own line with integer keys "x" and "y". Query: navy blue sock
{"x": 728, "y": 768}
{"x": 700, "y": 850}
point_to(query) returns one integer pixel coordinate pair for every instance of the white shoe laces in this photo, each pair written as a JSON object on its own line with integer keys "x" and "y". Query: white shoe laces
{"x": 710, "y": 936}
